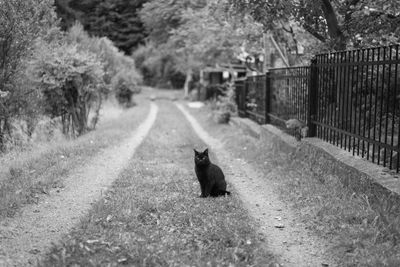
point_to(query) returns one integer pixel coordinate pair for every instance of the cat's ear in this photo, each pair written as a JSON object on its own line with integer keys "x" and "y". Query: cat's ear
{"x": 196, "y": 152}
{"x": 206, "y": 151}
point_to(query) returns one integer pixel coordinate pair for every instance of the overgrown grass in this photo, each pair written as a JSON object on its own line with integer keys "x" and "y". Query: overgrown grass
{"x": 327, "y": 208}
{"x": 153, "y": 216}
{"x": 24, "y": 175}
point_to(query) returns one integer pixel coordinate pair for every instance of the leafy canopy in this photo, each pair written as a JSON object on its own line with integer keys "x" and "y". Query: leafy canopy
{"x": 334, "y": 23}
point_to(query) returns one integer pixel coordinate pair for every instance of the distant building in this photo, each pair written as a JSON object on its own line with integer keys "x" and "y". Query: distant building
{"x": 222, "y": 73}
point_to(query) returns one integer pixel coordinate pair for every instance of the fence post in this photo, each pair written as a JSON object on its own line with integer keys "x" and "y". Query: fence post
{"x": 267, "y": 96}
{"x": 239, "y": 90}
{"x": 245, "y": 90}
{"x": 237, "y": 96}
{"x": 312, "y": 98}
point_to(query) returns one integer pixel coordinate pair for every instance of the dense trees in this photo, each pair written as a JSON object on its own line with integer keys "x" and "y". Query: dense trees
{"x": 116, "y": 19}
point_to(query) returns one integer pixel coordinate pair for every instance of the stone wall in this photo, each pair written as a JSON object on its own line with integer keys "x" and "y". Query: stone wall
{"x": 379, "y": 184}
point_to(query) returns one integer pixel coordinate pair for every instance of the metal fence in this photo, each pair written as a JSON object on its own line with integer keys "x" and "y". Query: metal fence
{"x": 288, "y": 89}
{"x": 349, "y": 98}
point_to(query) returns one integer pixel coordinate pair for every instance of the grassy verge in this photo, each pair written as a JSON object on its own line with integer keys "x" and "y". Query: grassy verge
{"x": 327, "y": 208}
{"x": 152, "y": 215}
{"x": 25, "y": 175}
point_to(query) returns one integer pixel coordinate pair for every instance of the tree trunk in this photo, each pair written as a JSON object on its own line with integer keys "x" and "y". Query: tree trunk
{"x": 189, "y": 77}
{"x": 2, "y": 136}
{"x": 334, "y": 30}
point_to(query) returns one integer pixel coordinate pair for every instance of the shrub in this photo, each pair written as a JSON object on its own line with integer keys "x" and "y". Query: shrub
{"x": 224, "y": 105}
{"x": 71, "y": 81}
{"x": 120, "y": 72}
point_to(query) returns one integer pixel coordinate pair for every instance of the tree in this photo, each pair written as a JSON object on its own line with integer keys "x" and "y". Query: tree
{"x": 208, "y": 36}
{"x": 337, "y": 24}
{"x": 155, "y": 59}
{"x": 21, "y": 23}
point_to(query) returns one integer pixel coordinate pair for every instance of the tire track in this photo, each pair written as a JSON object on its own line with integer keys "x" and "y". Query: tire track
{"x": 25, "y": 238}
{"x": 286, "y": 238}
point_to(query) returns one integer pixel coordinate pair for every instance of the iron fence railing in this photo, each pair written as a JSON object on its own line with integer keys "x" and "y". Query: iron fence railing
{"x": 255, "y": 98}
{"x": 358, "y": 98}
{"x": 288, "y": 94}
{"x": 349, "y": 98}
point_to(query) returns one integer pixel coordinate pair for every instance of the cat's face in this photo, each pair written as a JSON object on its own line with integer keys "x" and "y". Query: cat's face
{"x": 201, "y": 158}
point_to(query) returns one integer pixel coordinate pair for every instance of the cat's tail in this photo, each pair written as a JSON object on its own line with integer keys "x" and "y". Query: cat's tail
{"x": 224, "y": 193}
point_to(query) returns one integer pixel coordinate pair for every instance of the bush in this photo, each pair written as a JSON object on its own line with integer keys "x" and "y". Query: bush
{"x": 120, "y": 72}
{"x": 224, "y": 105}
{"x": 71, "y": 81}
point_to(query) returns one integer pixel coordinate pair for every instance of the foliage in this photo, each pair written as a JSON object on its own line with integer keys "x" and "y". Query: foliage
{"x": 71, "y": 81}
{"x": 337, "y": 24}
{"x": 157, "y": 66}
{"x": 224, "y": 104}
{"x": 115, "y": 19}
{"x": 189, "y": 35}
{"x": 120, "y": 73}
{"x": 162, "y": 65}
{"x": 208, "y": 36}
{"x": 21, "y": 23}
{"x": 160, "y": 17}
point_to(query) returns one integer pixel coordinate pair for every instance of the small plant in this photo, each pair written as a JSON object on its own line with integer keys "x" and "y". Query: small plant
{"x": 124, "y": 95}
{"x": 224, "y": 107}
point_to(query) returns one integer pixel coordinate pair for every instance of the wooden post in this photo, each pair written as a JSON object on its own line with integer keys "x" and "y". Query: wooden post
{"x": 267, "y": 51}
{"x": 312, "y": 98}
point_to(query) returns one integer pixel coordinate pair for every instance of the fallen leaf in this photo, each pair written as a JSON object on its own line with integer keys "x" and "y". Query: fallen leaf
{"x": 34, "y": 251}
{"x": 122, "y": 260}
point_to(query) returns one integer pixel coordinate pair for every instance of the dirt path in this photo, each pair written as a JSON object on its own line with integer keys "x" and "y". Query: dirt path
{"x": 25, "y": 238}
{"x": 285, "y": 237}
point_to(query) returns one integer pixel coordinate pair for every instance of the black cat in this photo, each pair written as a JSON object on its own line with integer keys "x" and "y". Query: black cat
{"x": 211, "y": 177}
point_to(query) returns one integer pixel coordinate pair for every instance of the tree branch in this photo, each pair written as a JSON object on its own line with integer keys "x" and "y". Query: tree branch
{"x": 314, "y": 33}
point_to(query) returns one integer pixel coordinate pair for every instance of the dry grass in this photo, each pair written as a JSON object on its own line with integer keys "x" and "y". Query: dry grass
{"x": 152, "y": 216}
{"x": 25, "y": 175}
{"x": 363, "y": 236}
